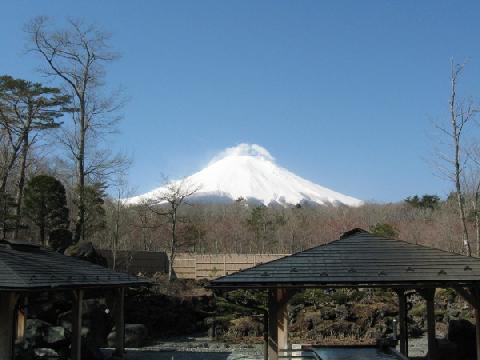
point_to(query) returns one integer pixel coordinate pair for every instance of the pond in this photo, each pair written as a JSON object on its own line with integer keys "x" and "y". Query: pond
{"x": 352, "y": 353}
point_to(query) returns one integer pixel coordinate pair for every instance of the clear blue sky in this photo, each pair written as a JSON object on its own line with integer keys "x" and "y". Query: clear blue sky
{"x": 340, "y": 92}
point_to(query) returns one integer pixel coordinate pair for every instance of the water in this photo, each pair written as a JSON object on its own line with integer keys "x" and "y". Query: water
{"x": 352, "y": 354}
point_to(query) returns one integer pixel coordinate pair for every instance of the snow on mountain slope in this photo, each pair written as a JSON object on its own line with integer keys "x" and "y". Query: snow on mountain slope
{"x": 250, "y": 172}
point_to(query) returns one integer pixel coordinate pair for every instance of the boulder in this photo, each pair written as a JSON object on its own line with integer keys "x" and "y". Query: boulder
{"x": 45, "y": 353}
{"x": 135, "y": 336}
{"x": 35, "y": 332}
{"x": 55, "y": 336}
{"x": 84, "y": 250}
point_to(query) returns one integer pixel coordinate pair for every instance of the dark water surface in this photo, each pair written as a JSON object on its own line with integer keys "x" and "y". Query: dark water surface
{"x": 353, "y": 354}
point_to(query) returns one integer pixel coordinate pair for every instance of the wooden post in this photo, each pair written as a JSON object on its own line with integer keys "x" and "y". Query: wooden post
{"x": 277, "y": 322}
{"x": 195, "y": 267}
{"x": 7, "y": 325}
{"x": 265, "y": 335}
{"x": 77, "y": 325}
{"x": 119, "y": 318}
{"x": 402, "y": 302}
{"x": 477, "y": 328}
{"x": 429, "y": 296}
{"x": 224, "y": 265}
{"x": 272, "y": 325}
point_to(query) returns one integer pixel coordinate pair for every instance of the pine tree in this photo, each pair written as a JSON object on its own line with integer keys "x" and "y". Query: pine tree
{"x": 46, "y": 204}
{"x": 94, "y": 218}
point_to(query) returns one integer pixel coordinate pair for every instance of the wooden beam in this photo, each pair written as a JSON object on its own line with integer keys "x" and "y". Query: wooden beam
{"x": 7, "y": 324}
{"x": 77, "y": 325}
{"x": 429, "y": 296}
{"x": 402, "y": 304}
{"x": 119, "y": 318}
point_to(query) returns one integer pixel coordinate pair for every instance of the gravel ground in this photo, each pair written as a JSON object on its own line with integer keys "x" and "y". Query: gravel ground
{"x": 195, "y": 349}
{"x": 204, "y": 349}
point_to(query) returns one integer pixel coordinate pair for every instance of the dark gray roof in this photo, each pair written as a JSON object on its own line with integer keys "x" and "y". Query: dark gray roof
{"x": 28, "y": 267}
{"x": 360, "y": 259}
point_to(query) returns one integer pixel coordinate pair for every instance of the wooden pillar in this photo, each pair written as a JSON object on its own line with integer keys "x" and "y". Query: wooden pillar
{"x": 429, "y": 296}
{"x": 277, "y": 322}
{"x": 119, "y": 318}
{"x": 477, "y": 328}
{"x": 22, "y": 315}
{"x": 265, "y": 335}
{"x": 7, "y": 324}
{"x": 77, "y": 325}
{"x": 272, "y": 325}
{"x": 402, "y": 302}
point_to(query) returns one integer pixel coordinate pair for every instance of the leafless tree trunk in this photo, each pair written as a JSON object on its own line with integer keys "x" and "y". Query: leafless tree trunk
{"x": 167, "y": 205}
{"x": 77, "y": 57}
{"x": 458, "y": 122}
{"x": 461, "y": 114}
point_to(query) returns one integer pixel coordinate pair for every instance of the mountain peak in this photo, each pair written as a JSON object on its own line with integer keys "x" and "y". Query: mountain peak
{"x": 250, "y": 172}
{"x": 252, "y": 150}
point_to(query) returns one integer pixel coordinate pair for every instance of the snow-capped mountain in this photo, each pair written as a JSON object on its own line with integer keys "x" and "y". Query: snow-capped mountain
{"x": 249, "y": 171}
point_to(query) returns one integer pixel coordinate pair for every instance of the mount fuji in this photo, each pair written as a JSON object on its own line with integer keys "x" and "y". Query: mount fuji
{"x": 248, "y": 171}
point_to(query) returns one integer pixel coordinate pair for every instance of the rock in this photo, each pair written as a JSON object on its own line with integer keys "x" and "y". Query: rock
{"x": 55, "y": 335}
{"x": 245, "y": 326}
{"x": 135, "y": 336}
{"x": 85, "y": 251}
{"x": 462, "y": 334}
{"x": 328, "y": 313}
{"x": 46, "y": 353}
{"x": 35, "y": 332}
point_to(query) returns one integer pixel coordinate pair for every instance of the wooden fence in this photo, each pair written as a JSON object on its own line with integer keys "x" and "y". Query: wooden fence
{"x": 135, "y": 262}
{"x": 186, "y": 265}
{"x": 195, "y": 266}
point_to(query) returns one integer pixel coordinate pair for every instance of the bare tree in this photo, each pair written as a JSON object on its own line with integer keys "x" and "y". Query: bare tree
{"x": 472, "y": 186}
{"x": 462, "y": 112}
{"x": 77, "y": 56}
{"x": 167, "y": 205}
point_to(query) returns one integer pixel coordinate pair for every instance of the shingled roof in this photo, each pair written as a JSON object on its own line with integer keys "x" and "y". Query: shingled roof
{"x": 360, "y": 259}
{"x": 28, "y": 267}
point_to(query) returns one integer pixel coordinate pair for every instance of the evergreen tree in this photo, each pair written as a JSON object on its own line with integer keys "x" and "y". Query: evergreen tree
{"x": 46, "y": 204}
{"x": 26, "y": 110}
{"x": 384, "y": 230}
{"x": 93, "y": 197}
{"x": 425, "y": 202}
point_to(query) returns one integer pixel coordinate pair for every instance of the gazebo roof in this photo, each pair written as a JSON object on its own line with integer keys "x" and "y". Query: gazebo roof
{"x": 27, "y": 267}
{"x": 360, "y": 259}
